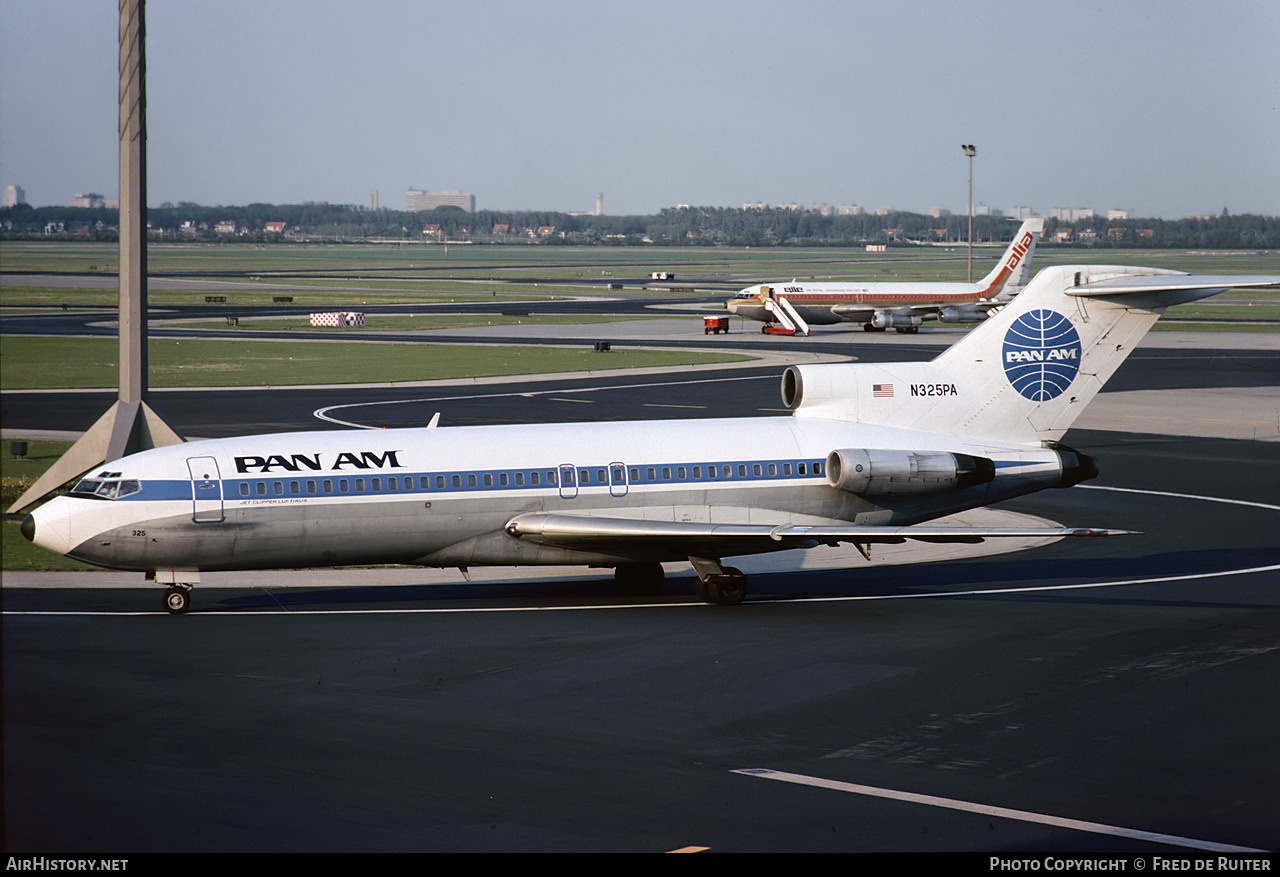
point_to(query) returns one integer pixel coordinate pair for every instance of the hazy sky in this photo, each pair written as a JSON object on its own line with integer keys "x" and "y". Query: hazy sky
{"x": 1165, "y": 107}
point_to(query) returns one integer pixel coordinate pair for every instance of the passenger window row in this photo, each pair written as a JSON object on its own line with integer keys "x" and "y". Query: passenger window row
{"x": 615, "y": 474}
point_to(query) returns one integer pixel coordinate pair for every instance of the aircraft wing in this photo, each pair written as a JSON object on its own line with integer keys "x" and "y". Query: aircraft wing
{"x": 588, "y": 533}
{"x": 853, "y": 313}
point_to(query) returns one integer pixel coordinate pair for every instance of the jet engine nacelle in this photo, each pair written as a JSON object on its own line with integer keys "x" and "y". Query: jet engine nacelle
{"x": 968, "y": 314}
{"x": 883, "y": 471}
{"x": 882, "y": 320}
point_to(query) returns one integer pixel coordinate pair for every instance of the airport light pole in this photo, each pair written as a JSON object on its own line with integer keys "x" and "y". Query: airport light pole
{"x": 970, "y": 150}
{"x": 131, "y": 424}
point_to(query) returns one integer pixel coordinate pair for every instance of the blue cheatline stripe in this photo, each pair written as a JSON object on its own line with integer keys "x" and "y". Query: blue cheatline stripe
{"x": 614, "y": 474}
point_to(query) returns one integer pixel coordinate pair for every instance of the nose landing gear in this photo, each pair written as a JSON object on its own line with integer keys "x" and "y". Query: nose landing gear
{"x": 177, "y": 599}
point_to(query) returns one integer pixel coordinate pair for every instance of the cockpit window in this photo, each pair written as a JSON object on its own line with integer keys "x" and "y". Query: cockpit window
{"x": 112, "y": 486}
{"x": 87, "y": 487}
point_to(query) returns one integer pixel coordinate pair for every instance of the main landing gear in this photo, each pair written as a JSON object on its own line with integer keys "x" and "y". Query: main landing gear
{"x": 720, "y": 585}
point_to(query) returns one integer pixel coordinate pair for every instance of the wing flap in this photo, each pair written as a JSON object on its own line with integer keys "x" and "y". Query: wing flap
{"x": 853, "y": 313}
{"x": 585, "y": 532}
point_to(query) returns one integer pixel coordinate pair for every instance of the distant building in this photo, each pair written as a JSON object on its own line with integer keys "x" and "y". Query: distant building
{"x": 1021, "y": 212}
{"x": 417, "y": 200}
{"x": 849, "y": 210}
{"x": 1071, "y": 214}
{"x": 984, "y": 210}
{"x": 14, "y": 195}
{"x": 273, "y": 227}
{"x": 1115, "y": 213}
{"x": 938, "y": 212}
{"x": 93, "y": 199}
{"x": 225, "y": 226}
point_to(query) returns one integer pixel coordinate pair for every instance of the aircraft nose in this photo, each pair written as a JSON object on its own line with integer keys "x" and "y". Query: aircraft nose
{"x": 49, "y": 526}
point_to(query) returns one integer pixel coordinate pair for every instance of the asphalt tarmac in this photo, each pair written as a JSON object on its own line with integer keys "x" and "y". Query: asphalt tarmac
{"x": 1110, "y": 695}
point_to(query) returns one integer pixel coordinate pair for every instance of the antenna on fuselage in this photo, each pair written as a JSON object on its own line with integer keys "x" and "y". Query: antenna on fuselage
{"x": 131, "y": 424}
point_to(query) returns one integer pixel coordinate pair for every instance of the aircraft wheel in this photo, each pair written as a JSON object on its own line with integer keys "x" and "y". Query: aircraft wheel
{"x": 726, "y": 589}
{"x": 639, "y": 579}
{"x": 177, "y": 600}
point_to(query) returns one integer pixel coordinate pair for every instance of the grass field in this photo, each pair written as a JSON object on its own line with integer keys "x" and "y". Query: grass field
{"x": 244, "y": 294}
{"x": 16, "y": 475}
{"x": 363, "y": 264}
{"x": 47, "y": 363}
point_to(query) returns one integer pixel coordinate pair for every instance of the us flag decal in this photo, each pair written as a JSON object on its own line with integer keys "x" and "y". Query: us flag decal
{"x": 882, "y": 391}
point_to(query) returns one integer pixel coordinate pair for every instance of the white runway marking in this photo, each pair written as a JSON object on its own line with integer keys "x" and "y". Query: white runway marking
{"x": 323, "y": 413}
{"x": 1037, "y": 588}
{"x": 1000, "y": 812}
{"x": 1244, "y": 502}
{"x": 983, "y": 592}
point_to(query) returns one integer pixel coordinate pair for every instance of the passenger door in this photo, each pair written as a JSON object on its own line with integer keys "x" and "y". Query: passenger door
{"x": 206, "y": 490}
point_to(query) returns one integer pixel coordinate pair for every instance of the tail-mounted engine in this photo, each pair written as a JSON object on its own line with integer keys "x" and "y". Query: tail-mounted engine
{"x": 883, "y": 472}
{"x": 1076, "y": 467}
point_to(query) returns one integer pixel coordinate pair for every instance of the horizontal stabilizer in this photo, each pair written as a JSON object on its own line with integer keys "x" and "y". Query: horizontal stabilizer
{"x": 1172, "y": 283}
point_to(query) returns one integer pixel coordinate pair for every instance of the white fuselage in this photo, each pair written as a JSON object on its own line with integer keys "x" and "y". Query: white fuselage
{"x": 442, "y": 497}
{"x": 824, "y": 304}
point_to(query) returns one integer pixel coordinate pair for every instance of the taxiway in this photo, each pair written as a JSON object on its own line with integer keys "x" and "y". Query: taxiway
{"x": 1126, "y": 683}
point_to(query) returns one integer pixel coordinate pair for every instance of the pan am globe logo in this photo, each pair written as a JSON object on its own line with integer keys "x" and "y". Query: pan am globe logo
{"x": 1041, "y": 354}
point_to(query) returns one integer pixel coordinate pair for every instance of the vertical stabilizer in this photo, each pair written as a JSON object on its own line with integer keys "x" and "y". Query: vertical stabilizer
{"x": 1026, "y": 373}
{"x": 1011, "y": 272}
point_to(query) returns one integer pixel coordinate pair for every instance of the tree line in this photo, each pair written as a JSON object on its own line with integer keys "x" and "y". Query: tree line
{"x": 688, "y": 226}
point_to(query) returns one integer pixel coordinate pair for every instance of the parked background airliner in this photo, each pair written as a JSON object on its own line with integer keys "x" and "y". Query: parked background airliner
{"x": 790, "y": 308}
{"x": 869, "y": 453}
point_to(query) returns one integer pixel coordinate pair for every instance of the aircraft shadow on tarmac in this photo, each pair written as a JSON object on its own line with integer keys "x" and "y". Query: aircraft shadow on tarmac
{"x": 905, "y": 580}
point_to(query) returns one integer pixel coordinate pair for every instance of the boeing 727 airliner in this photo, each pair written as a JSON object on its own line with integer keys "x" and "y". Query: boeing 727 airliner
{"x": 790, "y": 308}
{"x": 869, "y": 454}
